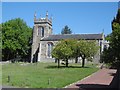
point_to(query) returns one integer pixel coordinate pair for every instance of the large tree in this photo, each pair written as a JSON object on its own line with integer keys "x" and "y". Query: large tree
{"x": 112, "y": 54}
{"x": 16, "y": 36}
{"x": 66, "y": 30}
{"x": 87, "y": 50}
{"x": 71, "y": 48}
{"x": 62, "y": 51}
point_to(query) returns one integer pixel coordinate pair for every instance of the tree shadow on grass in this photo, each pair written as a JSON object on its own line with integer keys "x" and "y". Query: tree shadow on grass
{"x": 52, "y": 67}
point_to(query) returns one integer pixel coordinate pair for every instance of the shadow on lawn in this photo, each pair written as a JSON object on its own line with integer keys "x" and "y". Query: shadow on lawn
{"x": 65, "y": 67}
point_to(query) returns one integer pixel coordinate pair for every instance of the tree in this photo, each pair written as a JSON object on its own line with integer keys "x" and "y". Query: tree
{"x": 71, "y": 48}
{"x": 62, "y": 51}
{"x": 116, "y": 19}
{"x": 87, "y": 50}
{"x": 115, "y": 45}
{"x": 76, "y": 49}
{"x": 112, "y": 54}
{"x": 16, "y": 36}
{"x": 66, "y": 30}
{"x": 0, "y": 41}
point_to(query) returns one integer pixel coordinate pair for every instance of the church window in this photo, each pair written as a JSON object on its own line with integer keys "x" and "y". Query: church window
{"x": 50, "y": 47}
{"x": 41, "y": 31}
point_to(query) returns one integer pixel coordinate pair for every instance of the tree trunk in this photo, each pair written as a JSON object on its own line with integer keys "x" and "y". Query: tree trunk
{"x": 56, "y": 60}
{"x": 58, "y": 63}
{"x": 76, "y": 59}
{"x": 83, "y": 62}
{"x": 8, "y": 56}
{"x": 66, "y": 62}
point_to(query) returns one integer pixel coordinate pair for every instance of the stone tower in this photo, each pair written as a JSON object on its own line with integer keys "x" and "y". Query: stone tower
{"x": 42, "y": 28}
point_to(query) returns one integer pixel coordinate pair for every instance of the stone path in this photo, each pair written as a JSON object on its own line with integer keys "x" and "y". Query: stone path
{"x": 101, "y": 79}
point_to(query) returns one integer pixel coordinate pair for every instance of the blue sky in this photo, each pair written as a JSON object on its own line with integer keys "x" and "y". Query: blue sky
{"x": 81, "y": 17}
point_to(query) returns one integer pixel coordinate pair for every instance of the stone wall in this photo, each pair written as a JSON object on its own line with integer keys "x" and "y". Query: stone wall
{"x": 43, "y": 50}
{"x": 42, "y": 57}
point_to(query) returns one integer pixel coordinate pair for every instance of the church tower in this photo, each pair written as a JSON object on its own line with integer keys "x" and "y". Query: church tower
{"x": 42, "y": 28}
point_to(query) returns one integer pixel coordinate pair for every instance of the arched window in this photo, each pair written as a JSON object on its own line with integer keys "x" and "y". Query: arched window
{"x": 41, "y": 31}
{"x": 49, "y": 50}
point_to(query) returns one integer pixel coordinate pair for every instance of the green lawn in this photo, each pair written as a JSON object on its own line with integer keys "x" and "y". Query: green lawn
{"x": 43, "y": 75}
{"x": 0, "y": 74}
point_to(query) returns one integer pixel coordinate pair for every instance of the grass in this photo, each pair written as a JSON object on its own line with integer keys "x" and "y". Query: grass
{"x": 0, "y": 74}
{"x": 43, "y": 75}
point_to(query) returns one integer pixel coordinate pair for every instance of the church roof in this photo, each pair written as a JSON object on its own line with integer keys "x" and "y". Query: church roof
{"x": 73, "y": 36}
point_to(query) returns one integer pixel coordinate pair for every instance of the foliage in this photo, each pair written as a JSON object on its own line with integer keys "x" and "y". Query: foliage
{"x": 71, "y": 48}
{"x": 62, "y": 51}
{"x": 87, "y": 50}
{"x": 66, "y": 30}
{"x": 116, "y": 19}
{"x": 108, "y": 37}
{"x": 0, "y": 41}
{"x": 16, "y": 36}
{"x": 112, "y": 54}
{"x": 115, "y": 46}
{"x": 36, "y": 76}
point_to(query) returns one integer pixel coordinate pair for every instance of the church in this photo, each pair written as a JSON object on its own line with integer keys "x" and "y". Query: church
{"x": 43, "y": 40}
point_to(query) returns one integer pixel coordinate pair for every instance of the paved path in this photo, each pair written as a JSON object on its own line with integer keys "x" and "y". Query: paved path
{"x": 100, "y": 79}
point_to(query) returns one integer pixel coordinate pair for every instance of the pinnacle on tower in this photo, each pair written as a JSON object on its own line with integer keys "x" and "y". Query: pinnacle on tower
{"x": 103, "y": 31}
{"x": 46, "y": 14}
{"x": 35, "y": 14}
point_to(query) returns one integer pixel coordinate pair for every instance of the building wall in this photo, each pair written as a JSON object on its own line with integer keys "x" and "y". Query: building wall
{"x": 43, "y": 55}
{"x": 43, "y": 51}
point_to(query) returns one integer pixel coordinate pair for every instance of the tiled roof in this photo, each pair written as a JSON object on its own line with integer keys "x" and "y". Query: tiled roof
{"x": 73, "y": 36}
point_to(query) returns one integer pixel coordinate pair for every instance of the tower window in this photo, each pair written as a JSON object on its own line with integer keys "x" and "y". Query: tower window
{"x": 41, "y": 31}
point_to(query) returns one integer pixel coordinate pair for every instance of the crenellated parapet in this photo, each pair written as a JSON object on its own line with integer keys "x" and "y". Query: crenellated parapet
{"x": 43, "y": 20}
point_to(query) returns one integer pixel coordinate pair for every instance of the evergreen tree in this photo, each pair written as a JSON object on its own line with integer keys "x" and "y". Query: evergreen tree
{"x": 112, "y": 54}
{"x": 66, "y": 30}
{"x": 116, "y": 19}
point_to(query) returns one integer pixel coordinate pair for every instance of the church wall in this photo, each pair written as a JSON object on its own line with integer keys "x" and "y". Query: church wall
{"x": 44, "y": 50}
{"x": 44, "y": 58}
